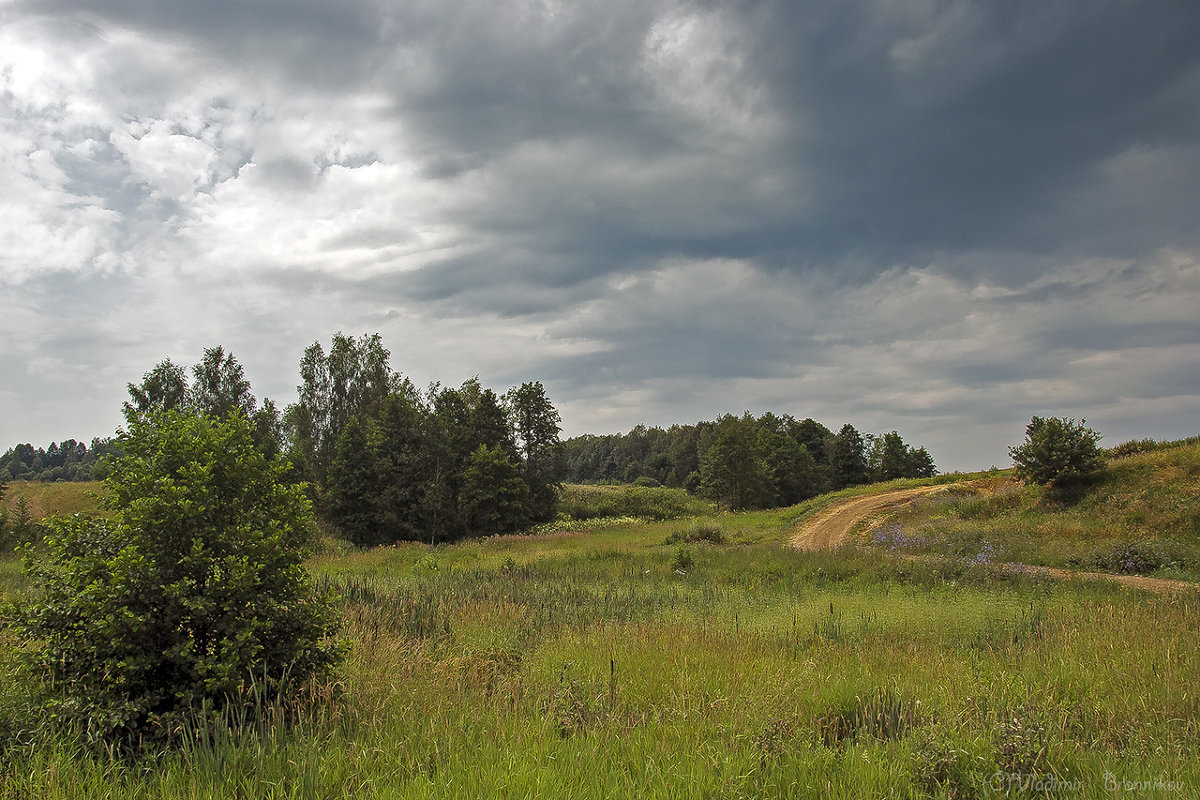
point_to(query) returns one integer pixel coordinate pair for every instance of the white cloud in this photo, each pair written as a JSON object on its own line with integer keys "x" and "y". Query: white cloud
{"x": 904, "y": 216}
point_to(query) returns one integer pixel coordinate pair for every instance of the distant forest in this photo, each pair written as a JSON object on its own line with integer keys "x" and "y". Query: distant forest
{"x": 745, "y": 462}
{"x": 68, "y": 461}
{"x": 388, "y": 462}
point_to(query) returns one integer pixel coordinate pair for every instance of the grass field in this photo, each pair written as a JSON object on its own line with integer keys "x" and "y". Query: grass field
{"x": 701, "y": 658}
{"x": 47, "y": 499}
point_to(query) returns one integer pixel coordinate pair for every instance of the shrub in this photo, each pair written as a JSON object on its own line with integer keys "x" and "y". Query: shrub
{"x": 592, "y": 502}
{"x": 1057, "y": 450}
{"x": 697, "y": 532}
{"x": 684, "y": 560}
{"x": 192, "y": 593}
{"x": 944, "y": 765}
{"x": 1139, "y": 557}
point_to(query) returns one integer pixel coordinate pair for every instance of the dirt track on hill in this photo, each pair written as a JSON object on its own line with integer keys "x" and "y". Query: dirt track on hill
{"x": 831, "y": 527}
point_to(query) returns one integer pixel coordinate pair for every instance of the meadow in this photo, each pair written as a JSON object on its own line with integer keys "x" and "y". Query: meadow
{"x": 702, "y": 657}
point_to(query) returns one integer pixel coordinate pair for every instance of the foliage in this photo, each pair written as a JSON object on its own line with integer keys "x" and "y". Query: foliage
{"x": 191, "y": 593}
{"x": 444, "y": 465}
{"x": 1057, "y": 450}
{"x": 19, "y": 528}
{"x": 494, "y": 496}
{"x": 535, "y": 426}
{"x": 848, "y": 458}
{"x": 658, "y": 503}
{"x": 68, "y": 460}
{"x": 582, "y": 666}
{"x": 733, "y": 470}
{"x": 745, "y": 462}
{"x": 1135, "y": 446}
{"x": 352, "y": 487}
{"x": 697, "y": 532}
{"x": 351, "y": 381}
{"x": 219, "y": 388}
{"x": 683, "y": 560}
{"x": 163, "y": 388}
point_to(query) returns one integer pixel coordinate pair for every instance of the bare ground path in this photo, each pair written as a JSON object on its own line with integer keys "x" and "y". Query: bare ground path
{"x": 831, "y": 527}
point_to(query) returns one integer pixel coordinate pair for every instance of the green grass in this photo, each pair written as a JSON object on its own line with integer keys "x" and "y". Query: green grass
{"x": 1142, "y": 515}
{"x": 46, "y": 500}
{"x": 585, "y": 663}
{"x": 586, "y": 666}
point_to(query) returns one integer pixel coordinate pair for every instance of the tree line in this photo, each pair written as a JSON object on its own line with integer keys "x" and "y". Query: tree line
{"x": 746, "y": 462}
{"x": 385, "y": 461}
{"x": 66, "y": 461}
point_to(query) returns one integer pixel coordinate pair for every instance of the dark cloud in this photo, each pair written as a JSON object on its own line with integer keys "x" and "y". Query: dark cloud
{"x": 853, "y": 208}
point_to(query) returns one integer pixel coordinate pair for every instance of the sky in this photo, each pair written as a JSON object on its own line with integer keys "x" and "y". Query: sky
{"x": 938, "y": 218}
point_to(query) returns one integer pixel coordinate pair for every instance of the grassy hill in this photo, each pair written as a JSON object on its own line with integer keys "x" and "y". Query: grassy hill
{"x": 1140, "y": 516}
{"x": 707, "y": 658}
{"x": 45, "y": 500}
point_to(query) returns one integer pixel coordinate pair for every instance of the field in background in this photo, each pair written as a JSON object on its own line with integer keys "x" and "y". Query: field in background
{"x": 705, "y": 657}
{"x": 47, "y": 499}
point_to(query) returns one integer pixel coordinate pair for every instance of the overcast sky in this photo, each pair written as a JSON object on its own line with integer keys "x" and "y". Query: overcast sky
{"x": 935, "y": 217}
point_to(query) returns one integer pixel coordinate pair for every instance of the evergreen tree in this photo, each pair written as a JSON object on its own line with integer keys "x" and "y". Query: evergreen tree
{"x": 495, "y": 498}
{"x": 895, "y": 458}
{"x": 733, "y": 470}
{"x": 353, "y": 488}
{"x": 535, "y": 422}
{"x": 402, "y": 471}
{"x": 922, "y": 463}
{"x": 848, "y": 458}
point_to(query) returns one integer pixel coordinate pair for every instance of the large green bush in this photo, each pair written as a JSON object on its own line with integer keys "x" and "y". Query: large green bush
{"x": 1057, "y": 450}
{"x": 194, "y": 592}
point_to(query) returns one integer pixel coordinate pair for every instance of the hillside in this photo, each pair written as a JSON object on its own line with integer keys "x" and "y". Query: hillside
{"x": 1140, "y": 516}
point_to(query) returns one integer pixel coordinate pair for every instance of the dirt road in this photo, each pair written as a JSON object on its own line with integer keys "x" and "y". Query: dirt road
{"x": 831, "y": 527}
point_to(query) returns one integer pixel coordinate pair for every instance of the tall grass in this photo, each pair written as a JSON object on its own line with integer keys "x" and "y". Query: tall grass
{"x": 587, "y": 665}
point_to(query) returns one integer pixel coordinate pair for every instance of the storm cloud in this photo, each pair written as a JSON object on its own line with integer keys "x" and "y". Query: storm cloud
{"x": 940, "y": 218}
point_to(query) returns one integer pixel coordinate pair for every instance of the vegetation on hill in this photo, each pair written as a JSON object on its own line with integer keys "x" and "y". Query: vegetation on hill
{"x": 1058, "y": 452}
{"x": 1140, "y": 514}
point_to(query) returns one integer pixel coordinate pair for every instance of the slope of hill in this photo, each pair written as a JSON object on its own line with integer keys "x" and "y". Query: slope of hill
{"x": 1140, "y": 516}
